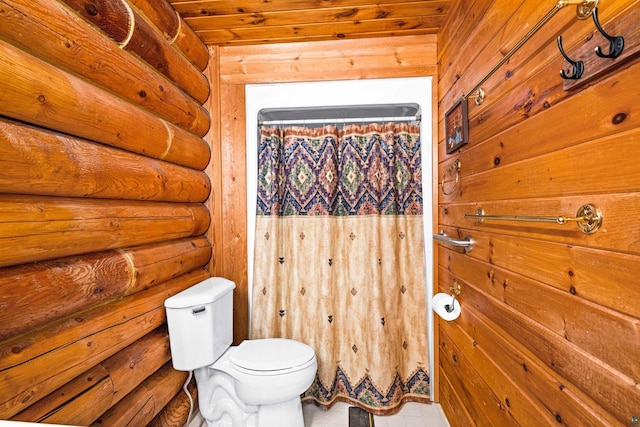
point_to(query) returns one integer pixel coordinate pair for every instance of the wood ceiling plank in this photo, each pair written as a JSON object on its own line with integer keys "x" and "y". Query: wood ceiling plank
{"x": 416, "y": 25}
{"x": 317, "y": 16}
{"x": 227, "y": 7}
{"x": 225, "y": 22}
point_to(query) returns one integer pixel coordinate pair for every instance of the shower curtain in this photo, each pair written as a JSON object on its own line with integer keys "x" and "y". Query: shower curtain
{"x": 339, "y": 259}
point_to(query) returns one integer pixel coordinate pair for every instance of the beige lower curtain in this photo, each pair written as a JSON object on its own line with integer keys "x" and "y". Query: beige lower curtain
{"x": 339, "y": 259}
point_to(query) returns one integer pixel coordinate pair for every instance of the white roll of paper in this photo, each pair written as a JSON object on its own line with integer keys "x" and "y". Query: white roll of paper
{"x": 441, "y": 304}
{"x": 437, "y": 297}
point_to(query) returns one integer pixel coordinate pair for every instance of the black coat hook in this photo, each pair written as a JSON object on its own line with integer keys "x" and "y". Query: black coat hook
{"x": 616, "y": 44}
{"x": 577, "y": 66}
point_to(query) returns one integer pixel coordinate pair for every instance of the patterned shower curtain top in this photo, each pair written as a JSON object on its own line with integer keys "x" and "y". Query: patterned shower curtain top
{"x": 370, "y": 169}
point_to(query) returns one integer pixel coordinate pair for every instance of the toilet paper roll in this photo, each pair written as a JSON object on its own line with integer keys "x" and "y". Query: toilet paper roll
{"x": 437, "y": 297}
{"x": 440, "y": 307}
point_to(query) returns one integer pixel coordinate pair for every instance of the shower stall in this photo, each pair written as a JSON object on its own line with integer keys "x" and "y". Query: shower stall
{"x": 383, "y": 127}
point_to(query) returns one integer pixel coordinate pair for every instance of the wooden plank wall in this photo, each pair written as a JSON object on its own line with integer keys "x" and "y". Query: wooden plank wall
{"x": 549, "y": 331}
{"x": 102, "y": 213}
{"x": 410, "y": 56}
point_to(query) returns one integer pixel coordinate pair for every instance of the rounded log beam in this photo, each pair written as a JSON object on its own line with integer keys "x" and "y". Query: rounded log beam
{"x": 159, "y": 262}
{"x": 175, "y": 30}
{"x": 81, "y": 398}
{"x": 36, "y": 161}
{"x": 124, "y": 25}
{"x": 123, "y": 372}
{"x": 40, "y": 228}
{"x": 34, "y": 365}
{"x": 176, "y": 413}
{"x": 37, "y": 92}
{"x": 141, "y": 405}
{"x": 34, "y": 294}
{"x": 52, "y": 32}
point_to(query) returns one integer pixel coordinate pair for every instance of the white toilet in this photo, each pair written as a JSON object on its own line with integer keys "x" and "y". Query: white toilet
{"x": 256, "y": 384}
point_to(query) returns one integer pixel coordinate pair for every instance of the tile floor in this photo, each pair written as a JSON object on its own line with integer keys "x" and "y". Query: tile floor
{"x": 411, "y": 415}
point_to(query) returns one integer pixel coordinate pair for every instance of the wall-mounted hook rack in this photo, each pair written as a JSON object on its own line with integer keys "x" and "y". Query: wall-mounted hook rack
{"x": 596, "y": 66}
{"x": 616, "y": 43}
{"x": 584, "y": 8}
{"x": 577, "y": 67}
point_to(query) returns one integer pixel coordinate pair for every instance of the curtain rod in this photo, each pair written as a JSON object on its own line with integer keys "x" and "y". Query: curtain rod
{"x": 339, "y": 121}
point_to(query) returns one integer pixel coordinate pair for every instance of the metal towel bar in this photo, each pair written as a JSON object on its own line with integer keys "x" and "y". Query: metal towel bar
{"x": 466, "y": 243}
{"x": 588, "y": 218}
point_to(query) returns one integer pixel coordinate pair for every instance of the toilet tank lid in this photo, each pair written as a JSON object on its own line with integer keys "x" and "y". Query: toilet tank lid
{"x": 205, "y": 292}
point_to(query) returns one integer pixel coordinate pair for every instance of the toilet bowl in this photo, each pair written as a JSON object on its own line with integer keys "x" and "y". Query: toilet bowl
{"x": 268, "y": 394}
{"x": 269, "y": 370}
{"x": 256, "y": 384}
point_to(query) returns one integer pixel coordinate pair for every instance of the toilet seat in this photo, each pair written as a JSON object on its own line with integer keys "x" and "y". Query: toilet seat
{"x": 271, "y": 356}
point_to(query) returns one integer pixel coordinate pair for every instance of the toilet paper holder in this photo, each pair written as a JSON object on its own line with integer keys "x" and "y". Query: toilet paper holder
{"x": 455, "y": 288}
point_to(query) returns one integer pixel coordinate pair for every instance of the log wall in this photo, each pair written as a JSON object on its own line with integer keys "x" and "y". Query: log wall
{"x": 550, "y": 316}
{"x": 102, "y": 207}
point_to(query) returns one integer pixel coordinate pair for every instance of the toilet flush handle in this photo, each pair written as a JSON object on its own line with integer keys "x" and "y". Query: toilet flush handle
{"x": 198, "y": 310}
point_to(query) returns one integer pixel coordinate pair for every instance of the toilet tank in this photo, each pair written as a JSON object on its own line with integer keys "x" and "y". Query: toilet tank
{"x": 200, "y": 321}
